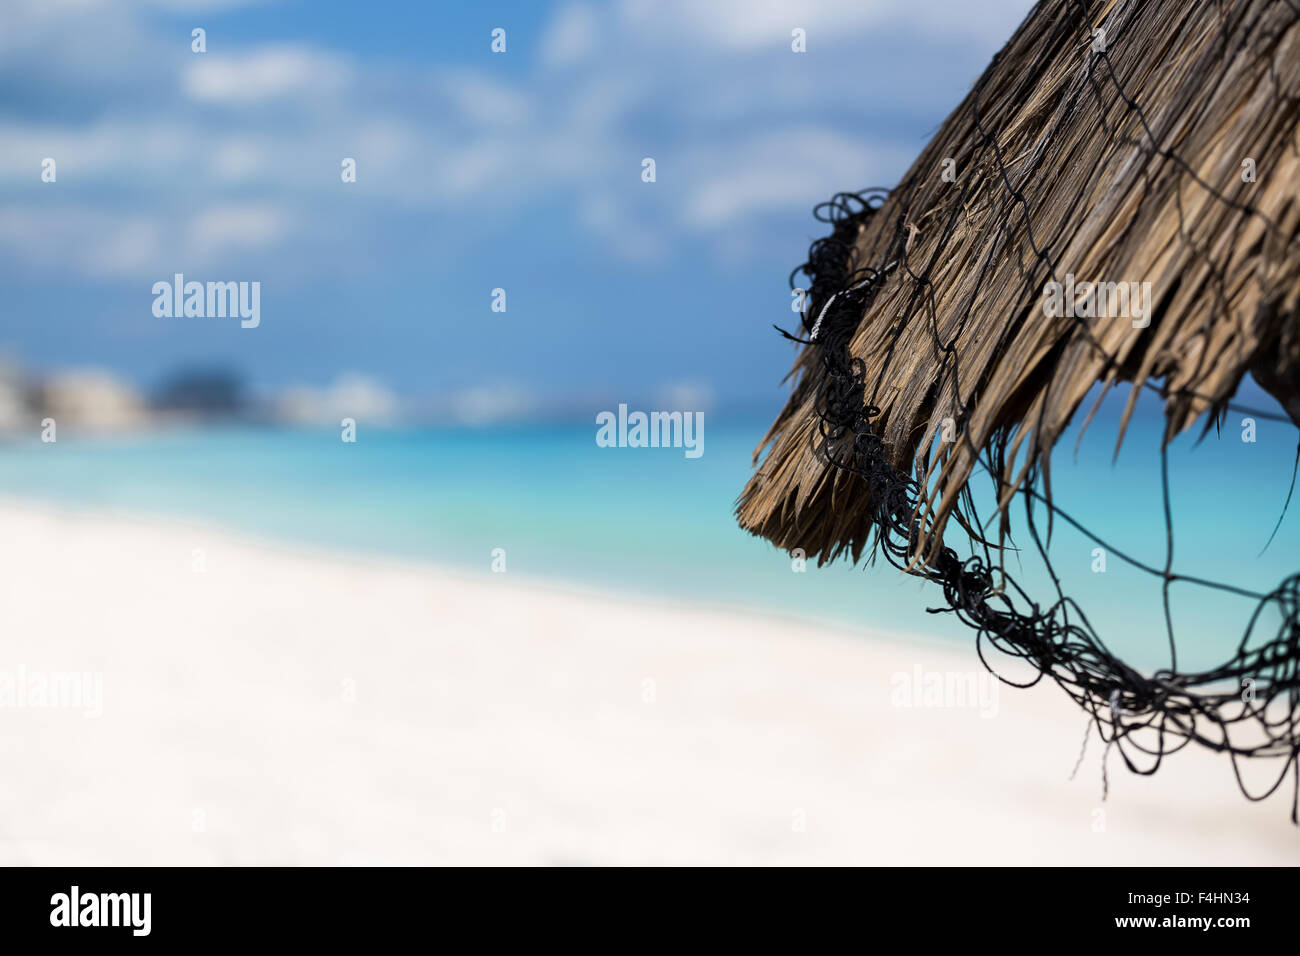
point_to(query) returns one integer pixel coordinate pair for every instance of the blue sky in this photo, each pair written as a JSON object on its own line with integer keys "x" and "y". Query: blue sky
{"x": 475, "y": 171}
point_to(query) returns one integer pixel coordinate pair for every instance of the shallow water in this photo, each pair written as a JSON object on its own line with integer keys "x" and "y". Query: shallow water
{"x": 653, "y": 521}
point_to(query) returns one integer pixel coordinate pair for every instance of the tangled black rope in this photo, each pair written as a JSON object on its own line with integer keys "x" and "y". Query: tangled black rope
{"x": 1256, "y": 692}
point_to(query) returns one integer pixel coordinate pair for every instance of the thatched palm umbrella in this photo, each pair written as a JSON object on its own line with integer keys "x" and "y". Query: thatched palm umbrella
{"x": 1121, "y": 142}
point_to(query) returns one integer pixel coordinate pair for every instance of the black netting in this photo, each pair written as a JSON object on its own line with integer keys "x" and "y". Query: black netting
{"x": 1143, "y": 716}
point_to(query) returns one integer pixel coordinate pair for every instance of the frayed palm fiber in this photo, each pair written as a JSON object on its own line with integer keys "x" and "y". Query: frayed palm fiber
{"x": 928, "y": 353}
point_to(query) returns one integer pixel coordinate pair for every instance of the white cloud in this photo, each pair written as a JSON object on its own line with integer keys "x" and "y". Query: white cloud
{"x": 749, "y": 25}
{"x": 621, "y": 234}
{"x": 130, "y": 249}
{"x": 268, "y": 73}
{"x": 571, "y": 35}
{"x": 102, "y": 150}
{"x": 796, "y": 169}
{"x": 199, "y": 6}
{"x": 49, "y": 238}
{"x": 483, "y": 100}
{"x": 110, "y": 243}
{"x": 739, "y": 132}
{"x": 236, "y": 160}
{"x": 87, "y": 241}
{"x": 246, "y": 226}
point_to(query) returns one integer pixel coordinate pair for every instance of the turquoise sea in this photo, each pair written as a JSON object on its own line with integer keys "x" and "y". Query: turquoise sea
{"x": 653, "y": 522}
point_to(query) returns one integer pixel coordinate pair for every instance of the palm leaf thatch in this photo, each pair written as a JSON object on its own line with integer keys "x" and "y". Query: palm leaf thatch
{"x": 1113, "y": 142}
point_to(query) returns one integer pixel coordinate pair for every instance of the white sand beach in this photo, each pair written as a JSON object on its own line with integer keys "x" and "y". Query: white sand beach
{"x": 263, "y": 704}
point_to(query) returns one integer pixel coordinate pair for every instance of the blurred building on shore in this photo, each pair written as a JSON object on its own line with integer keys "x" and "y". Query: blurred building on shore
{"x": 91, "y": 400}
